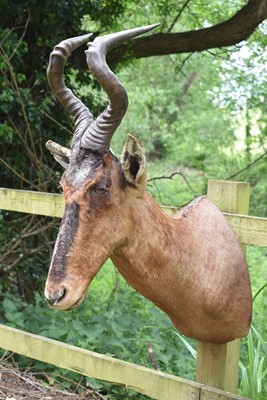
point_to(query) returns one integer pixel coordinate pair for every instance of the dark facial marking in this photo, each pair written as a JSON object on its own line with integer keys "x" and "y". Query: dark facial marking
{"x": 65, "y": 239}
{"x": 82, "y": 166}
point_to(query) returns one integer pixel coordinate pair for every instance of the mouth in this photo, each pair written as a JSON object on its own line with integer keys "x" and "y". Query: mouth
{"x": 76, "y": 304}
{"x": 64, "y": 302}
{"x": 64, "y": 296}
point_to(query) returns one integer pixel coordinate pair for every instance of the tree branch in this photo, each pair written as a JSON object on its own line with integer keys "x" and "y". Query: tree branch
{"x": 226, "y": 33}
{"x": 170, "y": 177}
{"x": 178, "y": 15}
{"x": 247, "y": 166}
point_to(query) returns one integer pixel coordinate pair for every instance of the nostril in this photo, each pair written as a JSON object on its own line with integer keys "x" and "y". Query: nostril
{"x": 61, "y": 294}
{"x": 57, "y": 296}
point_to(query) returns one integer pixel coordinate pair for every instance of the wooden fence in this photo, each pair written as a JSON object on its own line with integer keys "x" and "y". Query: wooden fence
{"x": 217, "y": 365}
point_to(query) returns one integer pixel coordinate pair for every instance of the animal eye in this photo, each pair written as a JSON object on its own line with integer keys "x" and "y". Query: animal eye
{"x": 100, "y": 189}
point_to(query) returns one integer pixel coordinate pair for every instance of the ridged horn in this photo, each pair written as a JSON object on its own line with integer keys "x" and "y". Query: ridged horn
{"x": 81, "y": 114}
{"x": 98, "y": 135}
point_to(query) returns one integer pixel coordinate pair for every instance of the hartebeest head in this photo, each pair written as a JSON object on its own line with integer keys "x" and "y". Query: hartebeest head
{"x": 95, "y": 183}
{"x": 190, "y": 265}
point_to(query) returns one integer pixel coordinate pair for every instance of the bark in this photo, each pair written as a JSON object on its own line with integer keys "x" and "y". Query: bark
{"x": 227, "y": 33}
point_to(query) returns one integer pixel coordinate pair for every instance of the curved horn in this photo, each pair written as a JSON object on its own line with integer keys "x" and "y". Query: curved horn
{"x": 82, "y": 116}
{"x": 98, "y": 135}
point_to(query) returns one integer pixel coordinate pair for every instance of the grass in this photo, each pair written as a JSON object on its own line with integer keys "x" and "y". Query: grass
{"x": 253, "y": 373}
{"x": 253, "y": 360}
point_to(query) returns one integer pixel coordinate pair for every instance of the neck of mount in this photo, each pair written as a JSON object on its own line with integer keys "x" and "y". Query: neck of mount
{"x": 150, "y": 249}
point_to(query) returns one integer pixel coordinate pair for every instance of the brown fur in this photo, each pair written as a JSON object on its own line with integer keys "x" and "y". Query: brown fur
{"x": 190, "y": 265}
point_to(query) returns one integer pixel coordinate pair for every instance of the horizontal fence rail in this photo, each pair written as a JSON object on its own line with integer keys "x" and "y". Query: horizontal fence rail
{"x": 155, "y": 384}
{"x": 30, "y": 202}
{"x": 250, "y": 230}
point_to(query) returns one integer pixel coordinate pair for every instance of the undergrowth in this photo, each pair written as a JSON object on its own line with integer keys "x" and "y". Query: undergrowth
{"x": 115, "y": 320}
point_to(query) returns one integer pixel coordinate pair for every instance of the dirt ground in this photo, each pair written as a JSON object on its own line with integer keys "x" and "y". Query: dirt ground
{"x": 23, "y": 385}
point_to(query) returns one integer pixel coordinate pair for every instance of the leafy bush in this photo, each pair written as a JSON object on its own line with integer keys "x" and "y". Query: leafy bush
{"x": 113, "y": 320}
{"x": 116, "y": 320}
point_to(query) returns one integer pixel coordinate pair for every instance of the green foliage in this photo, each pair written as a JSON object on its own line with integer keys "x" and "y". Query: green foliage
{"x": 253, "y": 362}
{"x": 199, "y": 116}
{"x": 113, "y": 320}
{"x": 117, "y": 321}
{"x": 29, "y": 116}
{"x": 254, "y": 373}
{"x": 177, "y": 15}
{"x": 106, "y": 324}
{"x": 257, "y": 262}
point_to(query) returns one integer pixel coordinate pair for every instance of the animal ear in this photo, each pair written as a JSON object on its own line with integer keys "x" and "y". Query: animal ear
{"x": 134, "y": 162}
{"x": 60, "y": 153}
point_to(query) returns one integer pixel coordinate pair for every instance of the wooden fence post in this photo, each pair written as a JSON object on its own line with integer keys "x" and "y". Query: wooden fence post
{"x": 217, "y": 365}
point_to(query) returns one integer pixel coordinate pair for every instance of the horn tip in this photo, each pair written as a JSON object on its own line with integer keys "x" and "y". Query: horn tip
{"x": 48, "y": 144}
{"x": 153, "y": 26}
